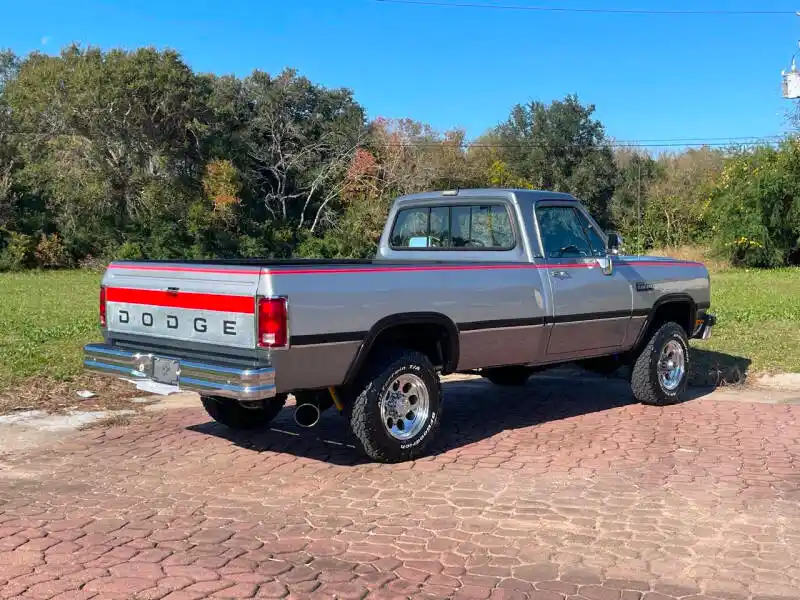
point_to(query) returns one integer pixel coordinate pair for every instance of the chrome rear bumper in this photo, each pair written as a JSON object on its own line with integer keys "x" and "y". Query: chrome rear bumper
{"x": 204, "y": 378}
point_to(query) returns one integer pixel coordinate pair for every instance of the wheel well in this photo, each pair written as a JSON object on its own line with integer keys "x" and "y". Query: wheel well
{"x": 429, "y": 339}
{"x": 433, "y": 335}
{"x": 681, "y": 311}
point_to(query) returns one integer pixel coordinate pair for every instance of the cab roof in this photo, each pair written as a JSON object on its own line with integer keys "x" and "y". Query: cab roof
{"x": 470, "y": 195}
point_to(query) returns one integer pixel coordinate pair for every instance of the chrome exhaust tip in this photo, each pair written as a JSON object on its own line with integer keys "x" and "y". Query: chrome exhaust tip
{"x": 307, "y": 415}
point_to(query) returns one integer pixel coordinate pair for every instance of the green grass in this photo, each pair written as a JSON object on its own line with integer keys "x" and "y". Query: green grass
{"x": 758, "y": 318}
{"x": 45, "y": 318}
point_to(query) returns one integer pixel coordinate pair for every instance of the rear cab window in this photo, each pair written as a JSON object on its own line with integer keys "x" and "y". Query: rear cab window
{"x": 480, "y": 226}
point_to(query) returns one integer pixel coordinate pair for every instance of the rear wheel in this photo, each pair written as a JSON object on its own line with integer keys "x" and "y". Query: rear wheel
{"x": 397, "y": 411}
{"x": 660, "y": 374}
{"x": 243, "y": 415}
{"x": 508, "y": 376}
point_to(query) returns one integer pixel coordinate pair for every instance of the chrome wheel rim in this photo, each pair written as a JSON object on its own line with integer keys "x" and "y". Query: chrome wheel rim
{"x": 405, "y": 406}
{"x": 671, "y": 365}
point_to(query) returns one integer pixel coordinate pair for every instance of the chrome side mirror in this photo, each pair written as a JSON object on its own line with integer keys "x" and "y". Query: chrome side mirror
{"x": 614, "y": 243}
{"x": 606, "y": 265}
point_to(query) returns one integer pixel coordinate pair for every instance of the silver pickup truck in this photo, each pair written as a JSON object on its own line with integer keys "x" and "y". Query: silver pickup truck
{"x": 499, "y": 282}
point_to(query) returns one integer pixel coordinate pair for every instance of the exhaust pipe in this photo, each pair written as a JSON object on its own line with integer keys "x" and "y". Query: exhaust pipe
{"x": 310, "y": 406}
{"x": 307, "y": 415}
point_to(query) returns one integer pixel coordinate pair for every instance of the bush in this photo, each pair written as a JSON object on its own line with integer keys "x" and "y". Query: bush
{"x": 756, "y": 220}
{"x": 129, "y": 251}
{"x": 17, "y": 253}
{"x": 675, "y": 193}
{"x": 51, "y": 252}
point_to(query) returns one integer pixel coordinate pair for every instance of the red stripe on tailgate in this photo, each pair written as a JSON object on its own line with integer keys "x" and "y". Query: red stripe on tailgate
{"x": 192, "y": 300}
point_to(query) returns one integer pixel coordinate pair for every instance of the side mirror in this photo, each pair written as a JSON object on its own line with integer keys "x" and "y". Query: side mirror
{"x": 614, "y": 243}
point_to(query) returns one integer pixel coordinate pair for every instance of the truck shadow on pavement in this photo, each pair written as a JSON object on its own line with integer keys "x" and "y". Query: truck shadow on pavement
{"x": 710, "y": 368}
{"x": 474, "y": 410}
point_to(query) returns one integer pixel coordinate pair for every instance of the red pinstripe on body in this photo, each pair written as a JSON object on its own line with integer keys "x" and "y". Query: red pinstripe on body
{"x": 356, "y": 269}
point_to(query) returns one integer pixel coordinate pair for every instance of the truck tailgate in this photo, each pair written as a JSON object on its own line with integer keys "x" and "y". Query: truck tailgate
{"x": 205, "y": 304}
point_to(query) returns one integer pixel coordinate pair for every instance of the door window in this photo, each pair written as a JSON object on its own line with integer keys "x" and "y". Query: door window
{"x": 563, "y": 236}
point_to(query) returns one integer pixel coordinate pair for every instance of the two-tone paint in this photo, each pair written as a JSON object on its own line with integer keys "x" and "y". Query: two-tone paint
{"x": 500, "y": 308}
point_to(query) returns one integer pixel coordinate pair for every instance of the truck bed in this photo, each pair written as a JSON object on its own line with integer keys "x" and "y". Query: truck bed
{"x": 251, "y": 262}
{"x": 291, "y": 262}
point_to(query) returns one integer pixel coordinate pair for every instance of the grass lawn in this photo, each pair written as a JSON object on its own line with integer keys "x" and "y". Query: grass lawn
{"x": 758, "y": 318}
{"x": 45, "y": 318}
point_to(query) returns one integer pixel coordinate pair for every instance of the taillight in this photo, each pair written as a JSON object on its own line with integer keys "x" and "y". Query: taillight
{"x": 102, "y": 306}
{"x": 273, "y": 327}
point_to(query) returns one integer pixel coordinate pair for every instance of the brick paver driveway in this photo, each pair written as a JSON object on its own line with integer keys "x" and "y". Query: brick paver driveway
{"x": 560, "y": 490}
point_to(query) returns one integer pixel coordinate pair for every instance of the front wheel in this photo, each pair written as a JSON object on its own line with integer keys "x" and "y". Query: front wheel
{"x": 397, "y": 411}
{"x": 242, "y": 415}
{"x": 660, "y": 374}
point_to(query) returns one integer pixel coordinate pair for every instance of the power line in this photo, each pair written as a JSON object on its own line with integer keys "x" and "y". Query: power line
{"x": 688, "y": 142}
{"x": 564, "y": 9}
{"x": 705, "y": 140}
{"x": 730, "y": 142}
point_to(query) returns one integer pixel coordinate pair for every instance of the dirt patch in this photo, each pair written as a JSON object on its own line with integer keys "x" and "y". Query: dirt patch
{"x": 60, "y": 396}
{"x": 118, "y": 419}
{"x": 26, "y": 429}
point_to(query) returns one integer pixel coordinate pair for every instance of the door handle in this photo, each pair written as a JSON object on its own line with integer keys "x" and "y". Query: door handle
{"x": 561, "y": 275}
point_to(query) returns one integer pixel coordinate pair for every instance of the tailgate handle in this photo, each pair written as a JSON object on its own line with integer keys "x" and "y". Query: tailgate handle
{"x": 173, "y": 291}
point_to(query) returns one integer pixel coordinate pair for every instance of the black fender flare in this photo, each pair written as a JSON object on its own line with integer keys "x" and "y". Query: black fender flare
{"x": 676, "y": 298}
{"x": 400, "y": 319}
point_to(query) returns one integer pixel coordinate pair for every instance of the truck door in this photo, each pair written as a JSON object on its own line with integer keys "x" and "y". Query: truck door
{"x": 591, "y": 301}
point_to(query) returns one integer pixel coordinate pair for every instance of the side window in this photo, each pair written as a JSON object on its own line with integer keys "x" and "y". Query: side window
{"x": 464, "y": 227}
{"x": 491, "y": 227}
{"x": 562, "y": 233}
{"x": 411, "y": 228}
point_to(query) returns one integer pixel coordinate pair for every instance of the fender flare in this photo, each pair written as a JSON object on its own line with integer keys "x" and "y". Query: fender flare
{"x": 400, "y": 319}
{"x": 676, "y": 298}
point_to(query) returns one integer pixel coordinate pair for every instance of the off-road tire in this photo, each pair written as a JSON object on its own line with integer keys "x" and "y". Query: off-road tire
{"x": 365, "y": 415}
{"x": 644, "y": 375}
{"x": 507, "y": 376}
{"x": 232, "y": 414}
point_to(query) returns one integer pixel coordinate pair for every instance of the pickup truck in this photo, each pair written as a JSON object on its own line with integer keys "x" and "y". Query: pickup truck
{"x": 499, "y": 282}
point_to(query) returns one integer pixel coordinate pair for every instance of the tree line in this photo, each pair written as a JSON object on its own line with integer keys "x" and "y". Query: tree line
{"x": 123, "y": 154}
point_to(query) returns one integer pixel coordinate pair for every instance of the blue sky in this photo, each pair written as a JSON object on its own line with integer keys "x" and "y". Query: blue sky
{"x": 651, "y": 77}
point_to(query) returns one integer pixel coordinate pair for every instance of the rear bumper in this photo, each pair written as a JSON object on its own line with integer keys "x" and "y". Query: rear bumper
{"x": 205, "y": 378}
{"x": 705, "y": 324}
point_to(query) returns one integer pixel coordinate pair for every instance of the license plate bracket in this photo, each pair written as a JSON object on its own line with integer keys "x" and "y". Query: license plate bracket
{"x": 166, "y": 370}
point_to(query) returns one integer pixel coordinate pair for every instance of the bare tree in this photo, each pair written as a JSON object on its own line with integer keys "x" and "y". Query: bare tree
{"x": 292, "y": 170}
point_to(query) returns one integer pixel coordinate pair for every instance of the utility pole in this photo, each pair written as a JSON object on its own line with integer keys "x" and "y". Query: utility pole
{"x": 639, "y": 243}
